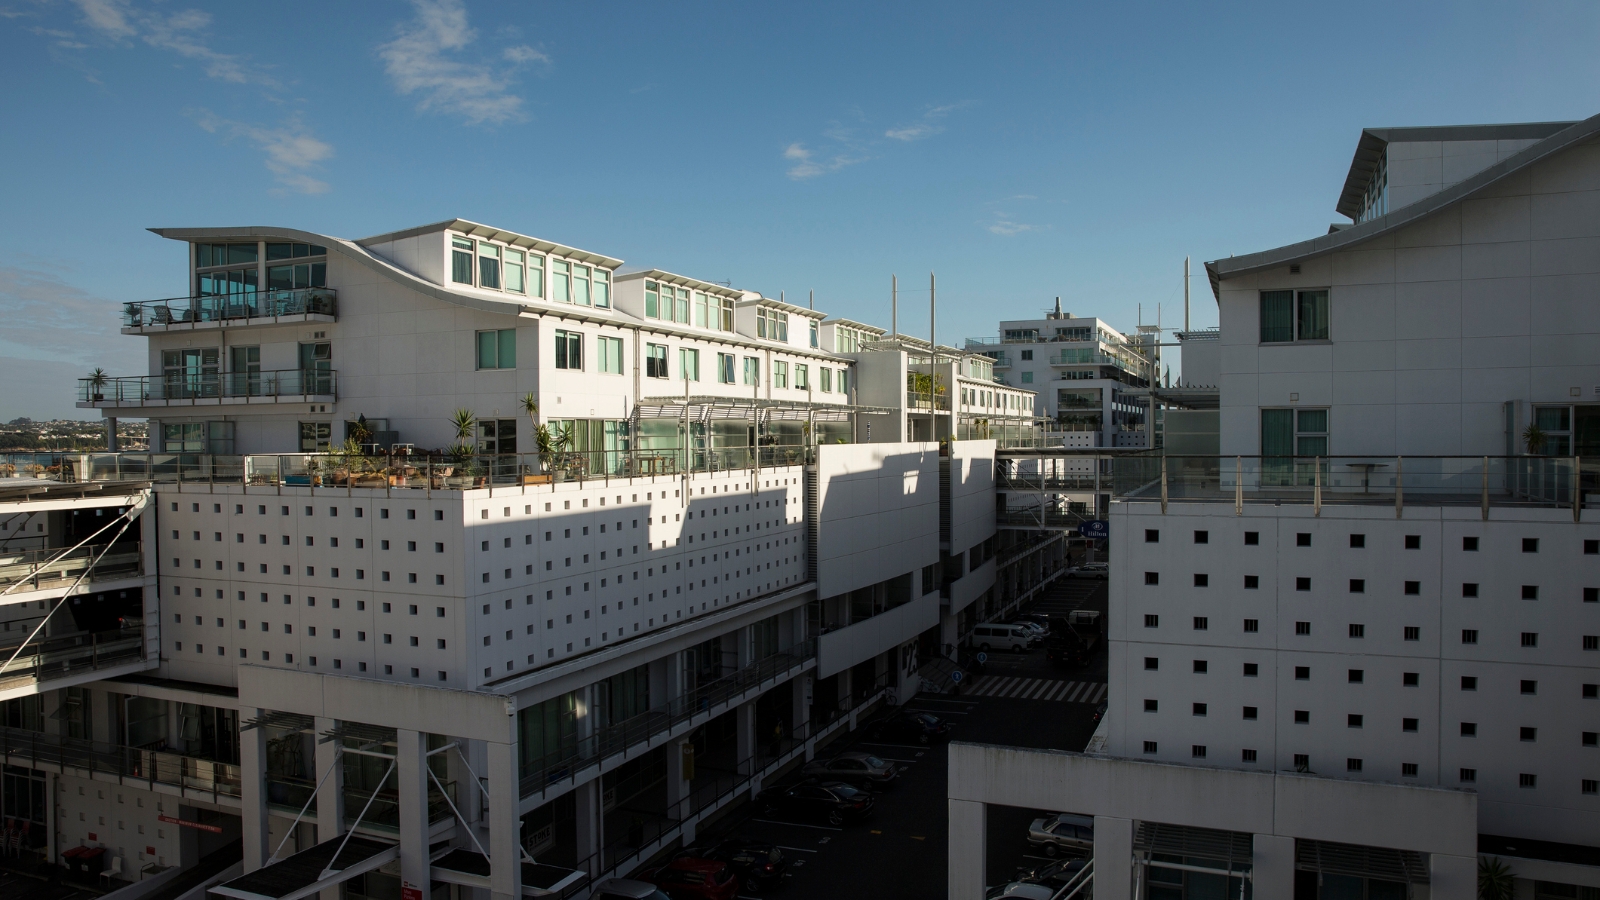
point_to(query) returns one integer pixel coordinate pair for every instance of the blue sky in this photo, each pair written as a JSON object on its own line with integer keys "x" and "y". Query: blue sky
{"x": 1020, "y": 151}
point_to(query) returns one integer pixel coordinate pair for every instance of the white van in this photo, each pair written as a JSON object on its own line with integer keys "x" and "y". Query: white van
{"x": 996, "y": 636}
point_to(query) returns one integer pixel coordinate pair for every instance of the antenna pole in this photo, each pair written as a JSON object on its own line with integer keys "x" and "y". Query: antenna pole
{"x": 811, "y": 300}
{"x": 1186, "y": 294}
{"x": 894, "y": 306}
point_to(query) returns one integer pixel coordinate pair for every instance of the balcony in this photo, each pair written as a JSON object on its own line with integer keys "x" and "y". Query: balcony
{"x": 183, "y": 775}
{"x": 230, "y": 310}
{"x": 80, "y": 654}
{"x": 44, "y": 570}
{"x": 208, "y": 388}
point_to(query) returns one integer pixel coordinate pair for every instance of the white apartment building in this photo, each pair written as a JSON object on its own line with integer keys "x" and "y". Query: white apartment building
{"x": 1382, "y": 601}
{"x": 621, "y": 544}
{"x": 1088, "y": 377}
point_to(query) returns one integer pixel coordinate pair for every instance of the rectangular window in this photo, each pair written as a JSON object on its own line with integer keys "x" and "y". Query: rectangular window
{"x": 497, "y": 436}
{"x": 488, "y": 266}
{"x": 1277, "y": 316}
{"x": 1027, "y": 378}
{"x": 780, "y": 374}
{"x": 602, "y": 289}
{"x": 825, "y": 379}
{"x": 513, "y": 271}
{"x": 560, "y": 281}
{"x": 581, "y": 279}
{"x": 689, "y": 363}
{"x": 569, "y": 350}
{"x": 652, "y": 300}
{"x": 535, "y": 275}
{"x": 802, "y": 377}
{"x": 1287, "y": 316}
{"x": 683, "y": 306}
{"x": 752, "y": 370}
{"x": 497, "y": 349}
{"x": 461, "y": 260}
{"x": 1252, "y": 626}
{"x": 1311, "y": 316}
{"x": 315, "y": 436}
{"x": 725, "y": 368}
{"x": 699, "y": 310}
{"x": 655, "y": 360}
{"x": 609, "y": 351}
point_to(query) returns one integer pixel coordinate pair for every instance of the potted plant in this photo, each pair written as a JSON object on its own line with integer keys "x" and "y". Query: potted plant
{"x": 1535, "y": 438}
{"x": 97, "y": 384}
{"x": 34, "y": 469}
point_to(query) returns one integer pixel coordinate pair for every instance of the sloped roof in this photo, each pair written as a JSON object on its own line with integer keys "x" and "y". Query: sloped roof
{"x": 1234, "y": 266}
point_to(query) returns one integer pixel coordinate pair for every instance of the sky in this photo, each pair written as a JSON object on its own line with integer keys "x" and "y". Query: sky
{"x": 1019, "y": 151}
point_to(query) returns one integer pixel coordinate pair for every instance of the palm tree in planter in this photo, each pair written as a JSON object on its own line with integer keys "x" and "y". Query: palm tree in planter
{"x": 530, "y": 405}
{"x": 1535, "y": 438}
{"x": 464, "y": 421}
{"x": 97, "y": 383}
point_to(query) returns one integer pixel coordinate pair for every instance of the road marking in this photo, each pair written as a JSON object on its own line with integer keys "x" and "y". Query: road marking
{"x": 797, "y": 824}
{"x": 1072, "y": 695}
{"x": 1099, "y": 694}
{"x": 1059, "y": 691}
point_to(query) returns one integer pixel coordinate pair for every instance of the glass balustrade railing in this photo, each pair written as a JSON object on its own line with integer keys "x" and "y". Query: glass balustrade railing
{"x": 235, "y": 309}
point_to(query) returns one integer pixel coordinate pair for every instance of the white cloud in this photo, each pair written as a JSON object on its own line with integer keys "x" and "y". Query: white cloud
{"x": 418, "y": 62}
{"x": 182, "y": 32}
{"x": 927, "y": 125}
{"x": 1005, "y": 226}
{"x": 56, "y": 333}
{"x": 807, "y": 166}
{"x": 291, "y": 150}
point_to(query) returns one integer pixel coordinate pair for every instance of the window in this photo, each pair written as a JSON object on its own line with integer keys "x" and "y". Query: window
{"x": 1302, "y": 628}
{"x": 752, "y": 371}
{"x": 1409, "y": 679}
{"x": 1200, "y": 666}
{"x": 814, "y": 342}
{"x": 689, "y": 364}
{"x": 1408, "y": 725}
{"x": 1352, "y": 765}
{"x": 1302, "y": 673}
{"x": 1469, "y": 544}
{"x": 1198, "y": 751}
{"x": 824, "y": 379}
{"x": 1152, "y": 663}
{"x": 1469, "y": 682}
{"x": 1591, "y": 786}
{"x": 1302, "y": 717}
{"x": 655, "y": 360}
{"x": 1591, "y": 692}
{"x": 1356, "y": 676}
{"x": 1027, "y": 378}
{"x": 1149, "y": 746}
{"x": 1530, "y": 545}
{"x": 1201, "y": 623}
{"x": 1590, "y": 641}
{"x": 652, "y": 299}
{"x": 1413, "y": 633}
{"x": 1252, "y": 538}
{"x": 1251, "y": 626}
{"x": 1150, "y": 706}
{"x": 582, "y": 278}
{"x": 497, "y": 436}
{"x": 1527, "y": 780}
{"x": 560, "y": 281}
{"x": 1250, "y": 713}
{"x": 1413, "y": 588}
{"x": 1353, "y": 720}
{"x": 1294, "y": 316}
{"x": 1468, "y": 776}
{"x": 1152, "y": 578}
{"x": 1469, "y": 729}
{"x": 314, "y": 437}
{"x": 1530, "y": 592}
{"x": 1201, "y": 579}
{"x": 1294, "y": 432}
{"x": 488, "y": 266}
{"x": 1302, "y": 762}
{"x": 1358, "y": 586}
{"x": 513, "y": 271}
{"x": 1202, "y": 537}
{"x": 535, "y": 275}
{"x": 497, "y": 349}
{"x": 1357, "y": 630}
{"x": 1302, "y": 539}
{"x": 1152, "y": 536}
{"x": 1528, "y": 735}
{"x": 772, "y": 325}
{"x": 569, "y": 350}
{"x": 1469, "y": 589}
{"x": 1469, "y": 635}
{"x": 780, "y": 374}
{"x": 1358, "y": 541}
{"x": 1152, "y": 621}
{"x": 1251, "y": 670}
{"x": 609, "y": 353}
{"x": 725, "y": 368}
{"x": 1199, "y": 709}
{"x": 1252, "y": 582}
{"x": 1530, "y": 639}
{"x": 461, "y": 260}
{"x": 1248, "y": 756}
{"x": 802, "y": 377}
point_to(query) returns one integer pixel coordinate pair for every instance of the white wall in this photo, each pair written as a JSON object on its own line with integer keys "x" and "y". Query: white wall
{"x": 1436, "y": 326}
{"x": 878, "y": 513}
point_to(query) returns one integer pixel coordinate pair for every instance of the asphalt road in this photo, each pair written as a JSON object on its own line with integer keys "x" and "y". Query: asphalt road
{"x": 900, "y": 853}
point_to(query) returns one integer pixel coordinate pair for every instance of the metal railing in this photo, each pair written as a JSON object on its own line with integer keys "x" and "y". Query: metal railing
{"x": 99, "y": 757}
{"x": 43, "y": 568}
{"x": 57, "y": 657}
{"x": 231, "y": 307}
{"x": 1483, "y": 481}
{"x": 402, "y": 470}
{"x": 209, "y": 384}
{"x": 920, "y": 401}
{"x": 616, "y": 738}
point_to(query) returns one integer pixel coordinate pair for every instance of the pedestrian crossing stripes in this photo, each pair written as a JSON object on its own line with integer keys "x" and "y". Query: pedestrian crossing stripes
{"x": 1037, "y": 689}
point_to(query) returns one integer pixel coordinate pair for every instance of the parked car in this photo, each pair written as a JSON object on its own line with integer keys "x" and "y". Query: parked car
{"x": 756, "y": 863}
{"x": 859, "y": 769}
{"x": 1038, "y": 628}
{"x": 694, "y": 878}
{"x": 1089, "y": 570}
{"x": 997, "y": 636}
{"x": 1055, "y": 874}
{"x": 1100, "y": 712}
{"x": 833, "y": 802}
{"x": 1039, "y": 619}
{"x": 916, "y": 728}
{"x": 1066, "y": 831}
{"x": 1019, "y": 890}
{"x": 627, "y": 889}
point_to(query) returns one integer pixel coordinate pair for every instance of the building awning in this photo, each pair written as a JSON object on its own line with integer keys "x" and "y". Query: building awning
{"x": 1387, "y": 864}
{"x": 471, "y": 868}
{"x": 1230, "y": 848}
{"x": 301, "y": 874}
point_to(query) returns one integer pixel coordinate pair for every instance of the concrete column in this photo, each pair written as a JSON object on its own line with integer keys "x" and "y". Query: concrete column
{"x": 677, "y": 786}
{"x": 411, "y": 768}
{"x": 1452, "y": 877}
{"x": 587, "y": 802}
{"x": 111, "y": 435}
{"x": 1113, "y": 859}
{"x": 505, "y": 840}
{"x": 1272, "y": 866}
{"x": 745, "y": 736}
{"x": 253, "y": 793}
{"x": 330, "y": 797}
{"x": 968, "y": 850}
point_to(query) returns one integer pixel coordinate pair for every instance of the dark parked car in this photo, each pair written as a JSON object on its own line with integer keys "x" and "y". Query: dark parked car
{"x": 911, "y": 728}
{"x": 833, "y": 802}
{"x": 860, "y": 769}
{"x": 1100, "y": 712}
{"x": 756, "y": 863}
{"x": 1054, "y": 874}
{"x": 693, "y": 878}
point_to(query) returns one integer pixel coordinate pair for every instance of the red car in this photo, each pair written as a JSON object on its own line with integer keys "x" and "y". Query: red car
{"x": 690, "y": 878}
